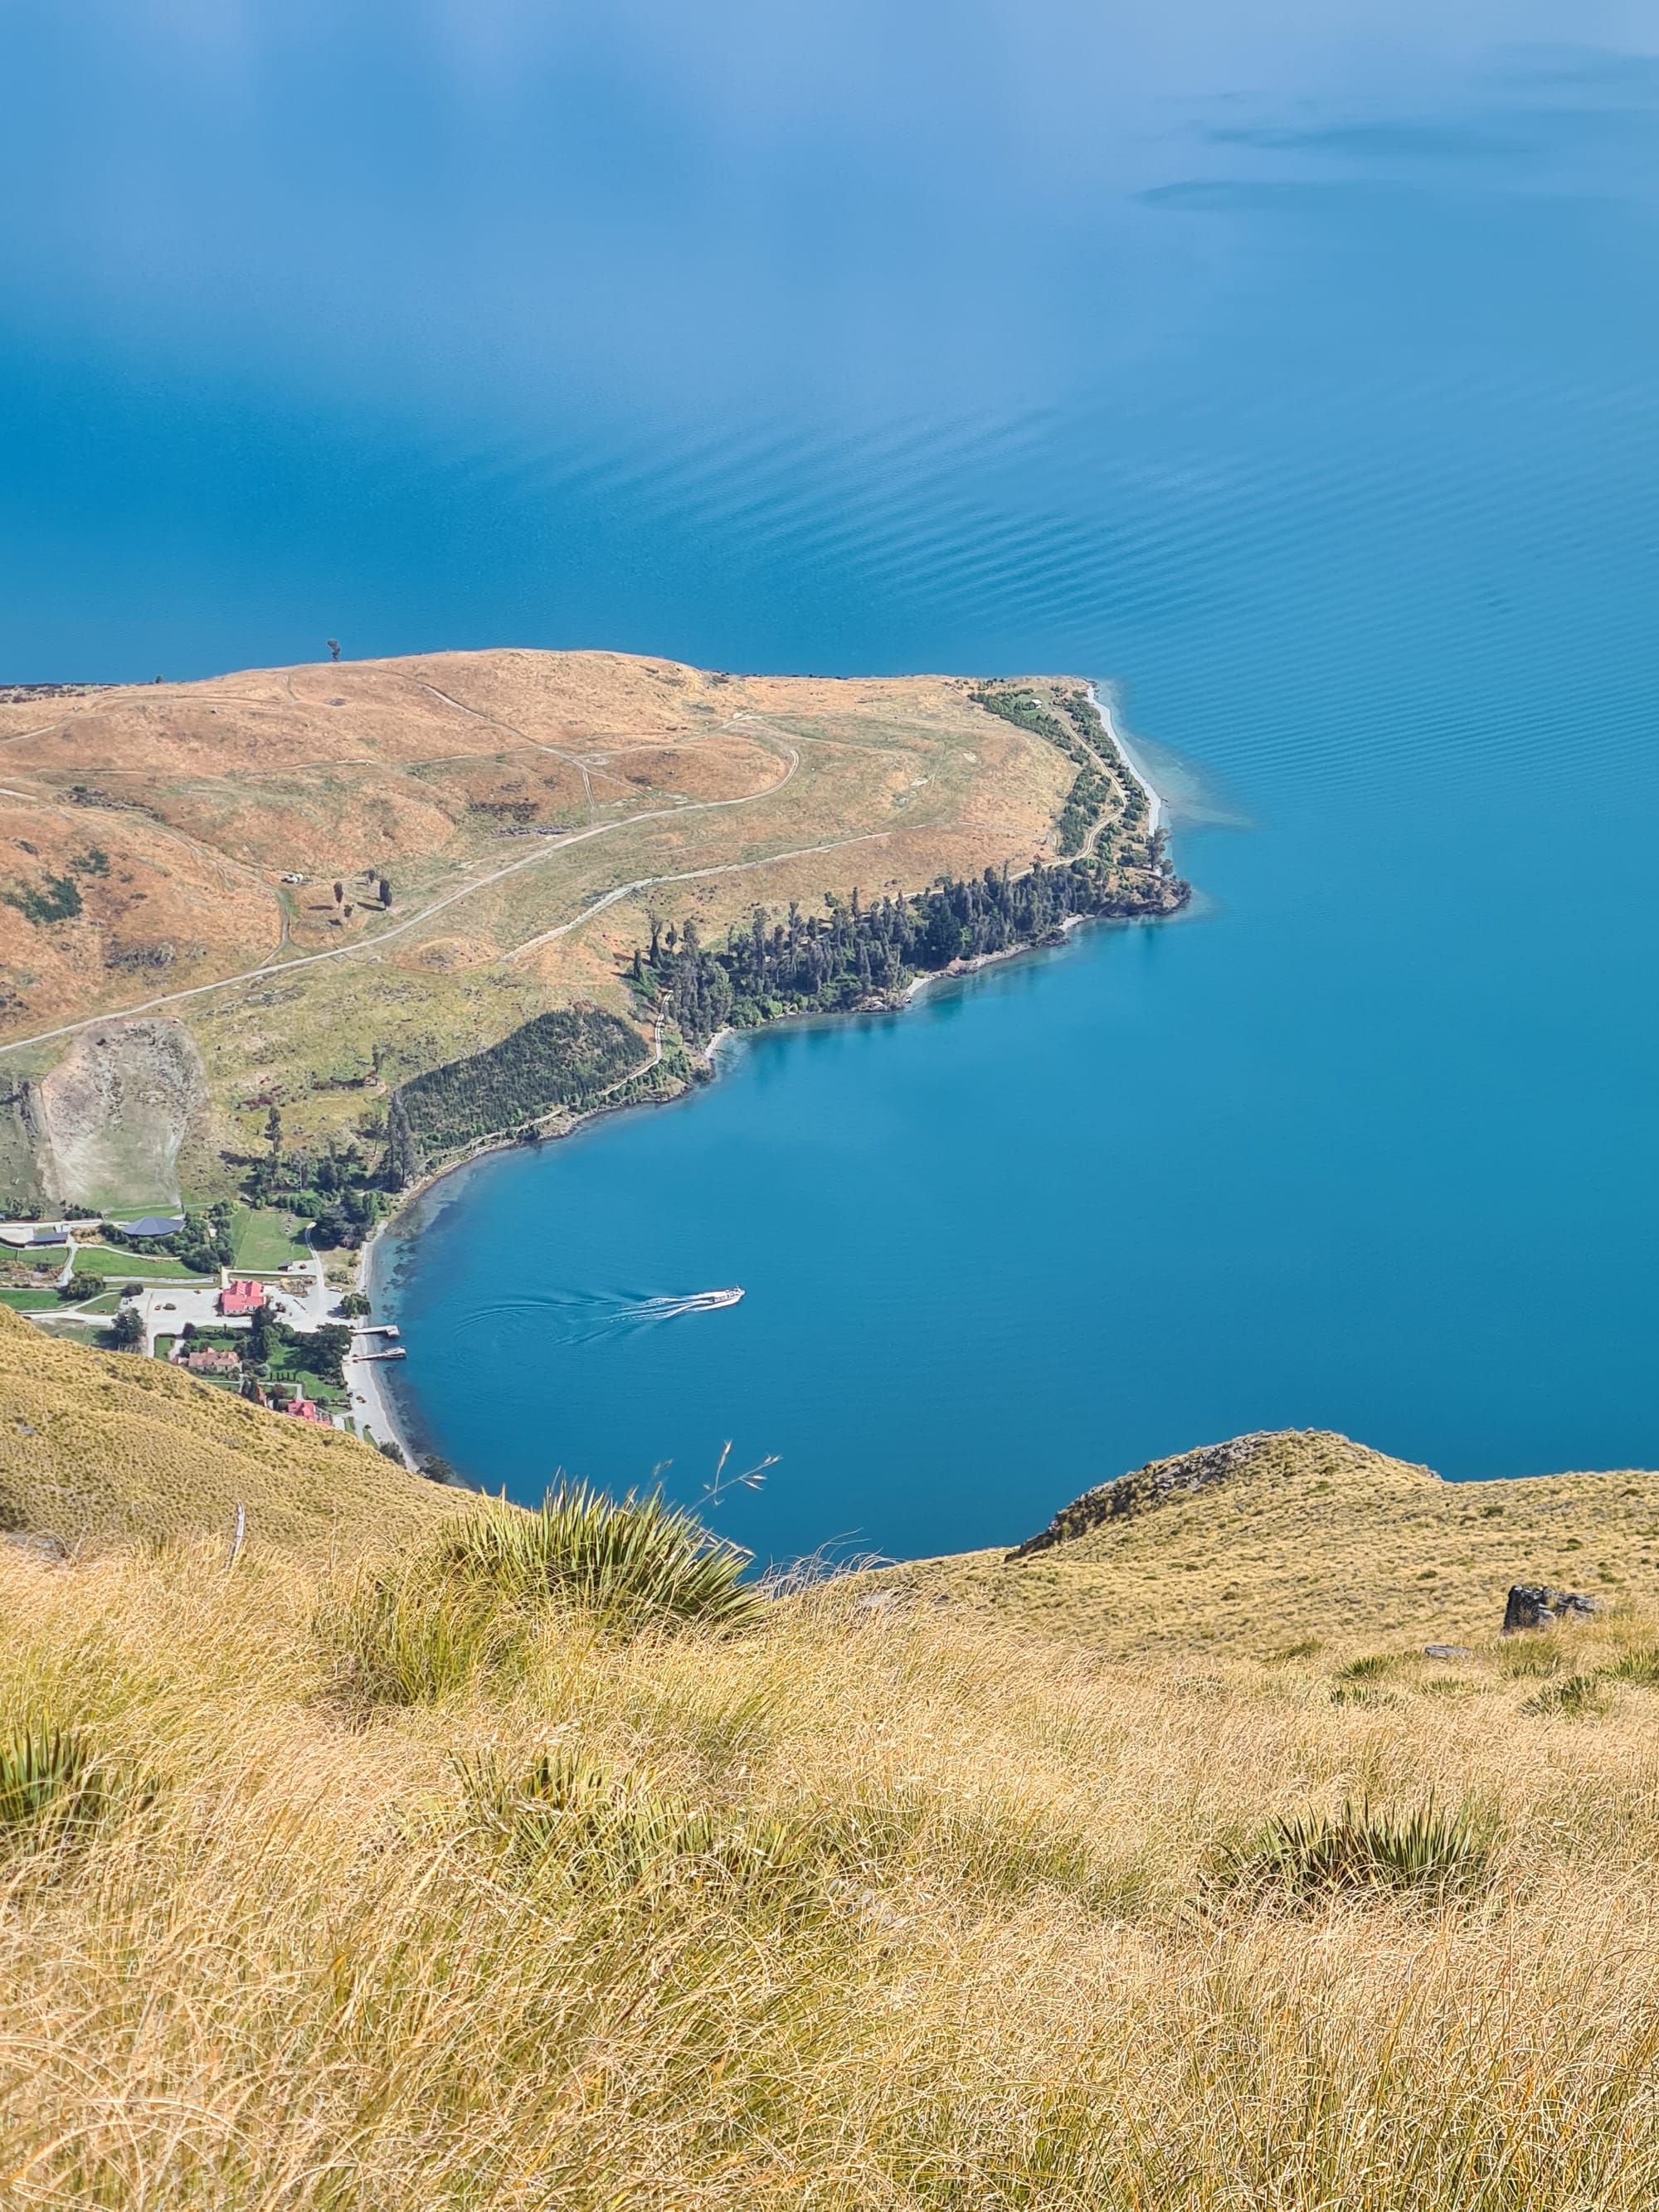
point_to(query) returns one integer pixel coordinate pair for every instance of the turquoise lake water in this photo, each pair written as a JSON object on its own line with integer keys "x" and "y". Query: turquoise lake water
{"x": 1357, "y": 506}
{"x": 1289, "y": 366}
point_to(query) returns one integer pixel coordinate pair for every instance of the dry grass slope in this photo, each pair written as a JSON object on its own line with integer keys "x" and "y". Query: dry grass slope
{"x": 96, "y": 1447}
{"x": 909, "y": 1906}
{"x": 1252, "y": 1545}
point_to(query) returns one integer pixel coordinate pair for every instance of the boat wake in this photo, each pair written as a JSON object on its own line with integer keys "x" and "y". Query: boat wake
{"x": 586, "y": 1317}
{"x": 669, "y": 1309}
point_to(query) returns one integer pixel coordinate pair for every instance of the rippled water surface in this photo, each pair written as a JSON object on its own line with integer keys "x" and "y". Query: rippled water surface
{"x": 1356, "y": 502}
{"x": 1288, "y": 366}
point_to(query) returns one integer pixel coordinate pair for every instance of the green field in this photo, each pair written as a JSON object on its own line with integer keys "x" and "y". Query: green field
{"x": 38, "y": 1256}
{"x": 25, "y": 1301}
{"x": 260, "y": 1239}
{"x": 117, "y": 1266}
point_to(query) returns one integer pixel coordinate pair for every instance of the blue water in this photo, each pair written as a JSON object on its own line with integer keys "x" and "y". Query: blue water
{"x": 1367, "y": 1143}
{"x": 1288, "y": 365}
{"x": 1350, "y": 1149}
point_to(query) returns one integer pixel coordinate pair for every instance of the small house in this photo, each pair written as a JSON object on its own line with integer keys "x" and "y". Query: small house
{"x": 303, "y": 1410}
{"x": 213, "y": 1360}
{"x": 242, "y": 1297}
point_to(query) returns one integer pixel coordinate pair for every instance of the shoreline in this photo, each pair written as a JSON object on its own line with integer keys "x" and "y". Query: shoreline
{"x": 1157, "y": 806}
{"x": 364, "y": 1378}
{"x": 377, "y": 1393}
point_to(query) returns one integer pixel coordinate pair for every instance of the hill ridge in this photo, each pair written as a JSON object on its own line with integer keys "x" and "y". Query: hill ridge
{"x": 106, "y": 1447}
{"x": 1185, "y": 1473}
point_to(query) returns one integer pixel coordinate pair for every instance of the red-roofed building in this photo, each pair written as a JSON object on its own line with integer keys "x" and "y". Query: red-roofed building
{"x": 242, "y": 1297}
{"x": 211, "y": 1361}
{"x": 304, "y": 1410}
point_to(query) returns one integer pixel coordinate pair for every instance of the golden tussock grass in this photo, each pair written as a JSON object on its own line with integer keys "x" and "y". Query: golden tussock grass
{"x": 1302, "y": 1532}
{"x": 95, "y": 1446}
{"x": 845, "y": 1907}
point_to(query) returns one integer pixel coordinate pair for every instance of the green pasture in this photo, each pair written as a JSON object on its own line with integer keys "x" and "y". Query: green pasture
{"x": 260, "y": 1239}
{"x": 119, "y": 1265}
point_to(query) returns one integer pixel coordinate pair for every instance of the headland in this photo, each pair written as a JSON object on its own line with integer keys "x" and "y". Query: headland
{"x": 287, "y": 945}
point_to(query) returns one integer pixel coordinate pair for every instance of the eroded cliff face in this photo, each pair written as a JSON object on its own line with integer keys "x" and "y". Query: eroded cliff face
{"x": 109, "y": 1121}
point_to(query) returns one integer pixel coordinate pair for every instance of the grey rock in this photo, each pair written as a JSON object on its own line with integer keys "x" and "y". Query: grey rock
{"x": 1446, "y": 1651}
{"x": 40, "y": 1547}
{"x": 1535, "y": 1605}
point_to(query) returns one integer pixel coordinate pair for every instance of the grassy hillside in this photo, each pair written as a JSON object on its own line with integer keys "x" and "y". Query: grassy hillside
{"x": 103, "y": 1446}
{"x": 1294, "y": 1534}
{"x": 496, "y": 1873}
{"x": 354, "y": 873}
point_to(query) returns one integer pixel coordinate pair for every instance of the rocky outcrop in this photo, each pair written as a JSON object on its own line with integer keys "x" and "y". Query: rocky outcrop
{"x": 1535, "y": 1605}
{"x": 1283, "y": 1454}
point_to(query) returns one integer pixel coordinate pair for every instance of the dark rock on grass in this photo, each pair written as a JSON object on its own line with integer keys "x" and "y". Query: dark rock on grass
{"x": 1535, "y": 1605}
{"x": 1147, "y": 1485}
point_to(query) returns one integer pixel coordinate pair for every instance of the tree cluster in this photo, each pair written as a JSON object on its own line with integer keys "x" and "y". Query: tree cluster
{"x": 320, "y": 1351}
{"x": 566, "y": 1059}
{"x": 855, "y": 954}
{"x": 337, "y": 1190}
{"x": 1101, "y": 768}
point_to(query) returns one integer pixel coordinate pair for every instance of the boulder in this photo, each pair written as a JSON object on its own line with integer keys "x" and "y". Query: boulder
{"x": 1446, "y": 1651}
{"x": 1535, "y": 1605}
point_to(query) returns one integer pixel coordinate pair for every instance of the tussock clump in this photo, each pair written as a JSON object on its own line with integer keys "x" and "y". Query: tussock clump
{"x": 51, "y": 1788}
{"x": 476, "y": 1599}
{"x": 1361, "y": 1693}
{"x": 634, "y": 1564}
{"x": 1305, "y": 1859}
{"x": 405, "y": 1638}
{"x": 569, "y": 1813}
{"x": 1576, "y": 1696}
{"x": 1360, "y": 1682}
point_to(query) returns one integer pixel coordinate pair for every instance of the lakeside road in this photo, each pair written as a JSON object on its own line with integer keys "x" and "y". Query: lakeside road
{"x": 1156, "y": 807}
{"x": 371, "y": 1402}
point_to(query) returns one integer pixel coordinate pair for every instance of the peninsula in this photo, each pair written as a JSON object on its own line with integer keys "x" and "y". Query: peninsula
{"x": 281, "y": 943}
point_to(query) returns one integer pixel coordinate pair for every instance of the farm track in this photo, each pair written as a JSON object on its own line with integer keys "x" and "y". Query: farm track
{"x": 539, "y": 858}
